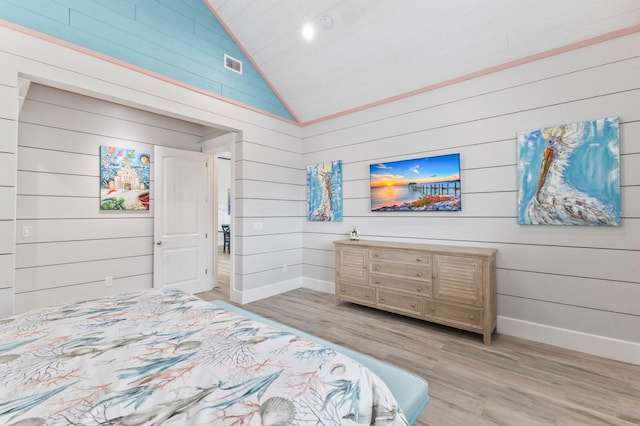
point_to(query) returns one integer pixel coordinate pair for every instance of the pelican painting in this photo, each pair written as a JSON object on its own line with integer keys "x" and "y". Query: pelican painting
{"x": 324, "y": 192}
{"x": 570, "y": 174}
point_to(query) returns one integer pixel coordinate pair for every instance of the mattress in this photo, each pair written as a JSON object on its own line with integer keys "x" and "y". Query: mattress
{"x": 410, "y": 391}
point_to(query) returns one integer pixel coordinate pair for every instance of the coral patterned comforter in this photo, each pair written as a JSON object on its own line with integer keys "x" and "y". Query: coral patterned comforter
{"x": 166, "y": 357}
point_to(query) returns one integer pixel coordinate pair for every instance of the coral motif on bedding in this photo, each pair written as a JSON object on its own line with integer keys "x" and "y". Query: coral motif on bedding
{"x": 165, "y": 357}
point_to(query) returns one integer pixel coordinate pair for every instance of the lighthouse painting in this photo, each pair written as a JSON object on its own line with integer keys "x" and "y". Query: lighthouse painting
{"x": 570, "y": 174}
{"x": 324, "y": 192}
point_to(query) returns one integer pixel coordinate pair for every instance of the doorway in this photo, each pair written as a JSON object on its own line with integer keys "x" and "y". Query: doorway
{"x": 224, "y": 221}
{"x": 221, "y": 148}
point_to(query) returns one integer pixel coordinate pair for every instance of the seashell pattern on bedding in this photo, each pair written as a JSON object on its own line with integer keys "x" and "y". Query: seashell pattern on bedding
{"x": 166, "y": 357}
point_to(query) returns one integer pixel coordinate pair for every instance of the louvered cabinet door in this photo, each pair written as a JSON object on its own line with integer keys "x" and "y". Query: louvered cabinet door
{"x": 457, "y": 279}
{"x": 352, "y": 265}
{"x": 352, "y": 276}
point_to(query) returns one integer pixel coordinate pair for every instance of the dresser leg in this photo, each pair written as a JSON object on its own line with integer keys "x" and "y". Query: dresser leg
{"x": 487, "y": 338}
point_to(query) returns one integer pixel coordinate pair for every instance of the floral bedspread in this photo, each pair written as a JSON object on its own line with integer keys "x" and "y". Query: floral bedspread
{"x": 166, "y": 357}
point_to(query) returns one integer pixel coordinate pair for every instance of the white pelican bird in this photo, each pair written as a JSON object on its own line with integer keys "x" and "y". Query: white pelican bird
{"x": 324, "y": 212}
{"x": 555, "y": 201}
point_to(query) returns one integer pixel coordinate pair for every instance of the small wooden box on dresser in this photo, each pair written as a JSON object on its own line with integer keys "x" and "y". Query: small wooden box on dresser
{"x": 450, "y": 285}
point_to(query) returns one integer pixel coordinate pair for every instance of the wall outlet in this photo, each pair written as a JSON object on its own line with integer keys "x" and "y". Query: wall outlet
{"x": 284, "y": 268}
{"x": 27, "y": 231}
{"x": 108, "y": 281}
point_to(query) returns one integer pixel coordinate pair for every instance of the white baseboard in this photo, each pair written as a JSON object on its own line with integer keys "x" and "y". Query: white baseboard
{"x": 319, "y": 285}
{"x": 619, "y": 350}
{"x": 274, "y": 289}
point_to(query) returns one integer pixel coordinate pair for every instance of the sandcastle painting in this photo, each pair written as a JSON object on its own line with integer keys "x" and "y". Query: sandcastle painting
{"x": 124, "y": 179}
{"x": 570, "y": 174}
{"x": 324, "y": 192}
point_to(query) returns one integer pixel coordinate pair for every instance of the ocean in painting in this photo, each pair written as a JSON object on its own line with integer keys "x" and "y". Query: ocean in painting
{"x": 386, "y": 195}
{"x": 406, "y": 198}
{"x": 570, "y": 174}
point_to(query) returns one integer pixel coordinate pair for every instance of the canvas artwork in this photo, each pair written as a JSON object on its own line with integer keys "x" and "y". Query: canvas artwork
{"x": 324, "y": 192}
{"x": 570, "y": 174}
{"x": 124, "y": 179}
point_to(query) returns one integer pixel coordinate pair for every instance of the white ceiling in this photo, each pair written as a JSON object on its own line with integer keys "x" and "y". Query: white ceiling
{"x": 377, "y": 49}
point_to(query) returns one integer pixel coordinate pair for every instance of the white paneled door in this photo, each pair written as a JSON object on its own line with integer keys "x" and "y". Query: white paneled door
{"x": 182, "y": 223}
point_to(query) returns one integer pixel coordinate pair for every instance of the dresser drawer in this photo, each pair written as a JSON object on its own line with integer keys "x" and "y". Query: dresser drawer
{"x": 471, "y": 317}
{"x": 400, "y": 302}
{"x": 356, "y": 292}
{"x": 404, "y": 256}
{"x": 415, "y": 272}
{"x": 422, "y": 288}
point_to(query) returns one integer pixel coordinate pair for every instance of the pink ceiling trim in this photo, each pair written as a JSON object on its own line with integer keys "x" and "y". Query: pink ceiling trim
{"x": 136, "y": 68}
{"x": 573, "y": 46}
{"x": 491, "y": 70}
{"x": 235, "y": 39}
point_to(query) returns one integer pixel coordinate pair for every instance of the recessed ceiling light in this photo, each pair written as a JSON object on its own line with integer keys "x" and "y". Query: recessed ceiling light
{"x": 308, "y": 31}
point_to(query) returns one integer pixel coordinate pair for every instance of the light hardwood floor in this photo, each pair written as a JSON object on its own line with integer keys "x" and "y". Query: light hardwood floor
{"x": 511, "y": 382}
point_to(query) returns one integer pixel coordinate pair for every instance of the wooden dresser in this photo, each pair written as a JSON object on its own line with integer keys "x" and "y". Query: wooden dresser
{"x": 450, "y": 285}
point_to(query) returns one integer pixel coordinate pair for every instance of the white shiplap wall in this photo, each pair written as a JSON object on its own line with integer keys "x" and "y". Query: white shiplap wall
{"x": 270, "y": 210}
{"x": 74, "y": 245}
{"x": 570, "y": 286}
{"x": 267, "y": 156}
{"x": 8, "y": 131}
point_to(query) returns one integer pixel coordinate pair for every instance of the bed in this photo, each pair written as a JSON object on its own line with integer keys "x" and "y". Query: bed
{"x": 166, "y": 357}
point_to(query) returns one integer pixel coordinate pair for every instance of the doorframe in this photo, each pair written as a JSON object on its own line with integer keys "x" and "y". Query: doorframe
{"x": 215, "y": 146}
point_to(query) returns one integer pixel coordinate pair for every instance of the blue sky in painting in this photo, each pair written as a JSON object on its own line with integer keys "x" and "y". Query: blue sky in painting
{"x": 593, "y": 168}
{"x": 316, "y": 187}
{"x": 420, "y": 170}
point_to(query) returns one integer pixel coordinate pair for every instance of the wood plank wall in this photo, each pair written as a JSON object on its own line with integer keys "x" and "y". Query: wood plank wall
{"x": 575, "y": 286}
{"x": 8, "y": 148}
{"x": 74, "y": 245}
{"x": 270, "y": 184}
{"x": 181, "y": 40}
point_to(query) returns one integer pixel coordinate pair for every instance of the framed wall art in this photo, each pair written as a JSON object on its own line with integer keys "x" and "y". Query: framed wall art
{"x": 324, "y": 192}
{"x": 570, "y": 174}
{"x": 124, "y": 179}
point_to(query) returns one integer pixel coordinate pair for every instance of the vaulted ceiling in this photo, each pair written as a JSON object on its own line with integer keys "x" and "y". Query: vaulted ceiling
{"x": 368, "y": 51}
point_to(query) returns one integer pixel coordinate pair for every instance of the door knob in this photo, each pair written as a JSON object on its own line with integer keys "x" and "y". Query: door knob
{"x": 160, "y": 242}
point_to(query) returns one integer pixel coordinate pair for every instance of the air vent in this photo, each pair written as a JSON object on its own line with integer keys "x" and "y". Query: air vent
{"x": 233, "y": 64}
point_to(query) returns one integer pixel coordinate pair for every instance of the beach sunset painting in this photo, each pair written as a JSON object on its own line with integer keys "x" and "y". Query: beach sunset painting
{"x": 421, "y": 184}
